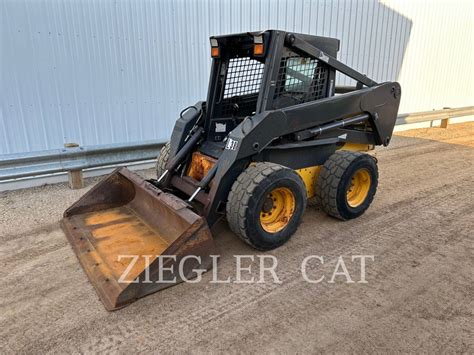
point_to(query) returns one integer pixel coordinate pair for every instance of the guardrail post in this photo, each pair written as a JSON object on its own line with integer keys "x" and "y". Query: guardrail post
{"x": 75, "y": 178}
{"x": 444, "y": 122}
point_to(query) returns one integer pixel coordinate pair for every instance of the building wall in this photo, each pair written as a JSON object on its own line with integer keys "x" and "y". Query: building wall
{"x": 99, "y": 72}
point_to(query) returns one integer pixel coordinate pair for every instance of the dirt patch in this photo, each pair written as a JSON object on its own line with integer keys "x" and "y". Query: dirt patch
{"x": 418, "y": 297}
{"x": 461, "y": 133}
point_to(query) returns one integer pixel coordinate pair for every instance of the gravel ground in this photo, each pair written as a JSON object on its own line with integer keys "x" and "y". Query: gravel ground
{"x": 419, "y": 295}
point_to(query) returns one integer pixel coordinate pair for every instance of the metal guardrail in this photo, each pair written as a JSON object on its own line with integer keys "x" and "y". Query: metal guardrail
{"x": 428, "y": 116}
{"x": 15, "y": 166}
{"x": 21, "y": 165}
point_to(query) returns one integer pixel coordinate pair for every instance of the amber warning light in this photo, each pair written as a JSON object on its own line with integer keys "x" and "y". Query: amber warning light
{"x": 214, "y": 48}
{"x": 258, "y": 48}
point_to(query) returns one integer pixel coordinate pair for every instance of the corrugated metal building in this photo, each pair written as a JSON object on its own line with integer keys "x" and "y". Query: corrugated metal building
{"x": 98, "y": 72}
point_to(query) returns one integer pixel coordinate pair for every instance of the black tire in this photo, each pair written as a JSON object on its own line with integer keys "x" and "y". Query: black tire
{"x": 246, "y": 201}
{"x": 162, "y": 159}
{"x": 313, "y": 201}
{"x": 335, "y": 180}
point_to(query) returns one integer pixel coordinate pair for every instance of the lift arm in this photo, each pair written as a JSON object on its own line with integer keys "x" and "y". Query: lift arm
{"x": 300, "y": 45}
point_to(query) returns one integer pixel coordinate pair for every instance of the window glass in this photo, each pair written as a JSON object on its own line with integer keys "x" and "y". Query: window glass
{"x": 299, "y": 74}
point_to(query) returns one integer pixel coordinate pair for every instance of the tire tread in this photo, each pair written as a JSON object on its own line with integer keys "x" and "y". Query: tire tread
{"x": 162, "y": 159}
{"x": 329, "y": 179}
{"x": 240, "y": 194}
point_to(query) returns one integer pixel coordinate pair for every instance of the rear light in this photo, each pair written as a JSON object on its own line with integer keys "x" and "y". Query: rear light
{"x": 214, "y": 52}
{"x": 258, "y": 48}
{"x": 214, "y": 48}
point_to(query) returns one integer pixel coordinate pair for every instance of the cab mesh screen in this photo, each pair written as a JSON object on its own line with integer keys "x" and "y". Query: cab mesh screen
{"x": 241, "y": 87}
{"x": 244, "y": 76}
{"x": 302, "y": 79}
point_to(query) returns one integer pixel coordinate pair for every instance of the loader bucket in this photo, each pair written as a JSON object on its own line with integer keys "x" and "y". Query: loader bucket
{"x": 121, "y": 227}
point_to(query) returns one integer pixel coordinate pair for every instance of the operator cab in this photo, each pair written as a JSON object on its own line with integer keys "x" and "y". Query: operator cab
{"x": 243, "y": 66}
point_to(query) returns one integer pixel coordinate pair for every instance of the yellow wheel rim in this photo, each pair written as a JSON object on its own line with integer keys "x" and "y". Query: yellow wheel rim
{"x": 359, "y": 188}
{"x": 277, "y": 210}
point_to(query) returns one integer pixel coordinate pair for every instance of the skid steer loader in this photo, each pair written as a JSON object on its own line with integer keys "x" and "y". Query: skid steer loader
{"x": 274, "y": 133}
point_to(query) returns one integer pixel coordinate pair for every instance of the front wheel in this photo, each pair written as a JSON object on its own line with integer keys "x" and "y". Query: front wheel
{"x": 265, "y": 205}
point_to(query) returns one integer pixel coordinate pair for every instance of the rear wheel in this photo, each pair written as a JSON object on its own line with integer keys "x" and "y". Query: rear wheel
{"x": 265, "y": 205}
{"x": 162, "y": 159}
{"x": 347, "y": 184}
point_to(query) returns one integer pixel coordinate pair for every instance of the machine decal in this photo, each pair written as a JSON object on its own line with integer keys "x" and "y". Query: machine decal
{"x": 231, "y": 144}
